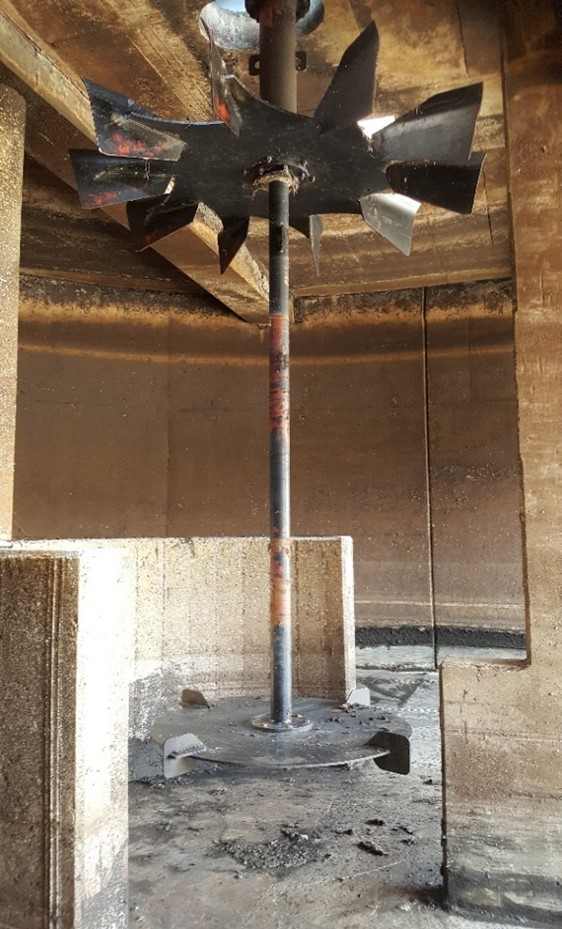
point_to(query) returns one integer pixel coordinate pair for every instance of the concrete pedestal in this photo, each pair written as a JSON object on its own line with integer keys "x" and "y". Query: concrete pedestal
{"x": 200, "y": 618}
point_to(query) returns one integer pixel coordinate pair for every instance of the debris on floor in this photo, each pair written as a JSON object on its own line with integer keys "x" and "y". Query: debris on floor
{"x": 290, "y": 850}
{"x": 370, "y": 847}
{"x": 346, "y": 848}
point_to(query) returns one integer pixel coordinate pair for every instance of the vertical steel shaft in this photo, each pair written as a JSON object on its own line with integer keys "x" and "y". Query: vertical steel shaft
{"x": 278, "y": 85}
{"x": 279, "y": 453}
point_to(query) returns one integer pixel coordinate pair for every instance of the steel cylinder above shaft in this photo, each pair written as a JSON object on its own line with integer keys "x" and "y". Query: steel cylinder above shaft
{"x": 278, "y": 48}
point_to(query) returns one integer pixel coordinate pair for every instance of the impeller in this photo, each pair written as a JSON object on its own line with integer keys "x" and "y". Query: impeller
{"x": 163, "y": 169}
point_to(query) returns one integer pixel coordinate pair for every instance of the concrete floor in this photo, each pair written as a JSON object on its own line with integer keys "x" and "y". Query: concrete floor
{"x": 342, "y": 847}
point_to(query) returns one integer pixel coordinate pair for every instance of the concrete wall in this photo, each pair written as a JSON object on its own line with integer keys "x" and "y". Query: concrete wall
{"x": 145, "y": 414}
{"x": 502, "y": 727}
{"x": 475, "y": 479}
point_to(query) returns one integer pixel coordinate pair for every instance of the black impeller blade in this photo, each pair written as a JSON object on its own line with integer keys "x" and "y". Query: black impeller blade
{"x": 450, "y": 186}
{"x": 154, "y": 219}
{"x": 105, "y": 180}
{"x": 312, "y": 227}
{"x": 125, "y": 128}
{"x": 392, "y": 216}
{"x": 349, "y": 97}
{"x": 440, "y": 129}
{"x": 231, "y": 238}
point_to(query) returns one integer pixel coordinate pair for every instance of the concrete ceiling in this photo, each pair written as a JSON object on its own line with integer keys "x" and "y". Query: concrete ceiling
{"x": 153, "y": 51}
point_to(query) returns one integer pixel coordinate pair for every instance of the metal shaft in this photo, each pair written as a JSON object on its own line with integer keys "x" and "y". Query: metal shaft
{"x": 279, "y": 453}
{"x": 278, "y": 85}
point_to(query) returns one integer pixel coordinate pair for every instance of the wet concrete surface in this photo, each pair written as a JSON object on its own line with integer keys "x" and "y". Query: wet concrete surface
{"x": 340, "y": 847}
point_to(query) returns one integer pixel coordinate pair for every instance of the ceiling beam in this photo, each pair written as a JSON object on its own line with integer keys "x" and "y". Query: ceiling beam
{"x": 194, "y": 250}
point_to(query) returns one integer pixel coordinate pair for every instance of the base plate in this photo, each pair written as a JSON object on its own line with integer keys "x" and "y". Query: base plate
{"x": 296, "y": 721}
{"x": 224, "y": 734}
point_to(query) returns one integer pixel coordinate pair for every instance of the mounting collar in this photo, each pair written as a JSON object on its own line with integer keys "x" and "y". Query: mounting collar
{"x": 254, "y": 8}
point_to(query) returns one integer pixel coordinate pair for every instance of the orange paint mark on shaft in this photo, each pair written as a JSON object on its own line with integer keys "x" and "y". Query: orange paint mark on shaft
{"x": 280, "y": 575}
